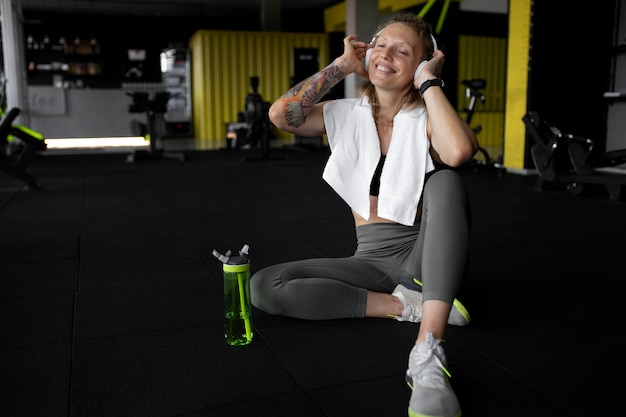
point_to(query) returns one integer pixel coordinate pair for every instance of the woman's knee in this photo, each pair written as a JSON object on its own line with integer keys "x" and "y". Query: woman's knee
{"x": 445, "y": 185}
{"x": 260, "y": 290}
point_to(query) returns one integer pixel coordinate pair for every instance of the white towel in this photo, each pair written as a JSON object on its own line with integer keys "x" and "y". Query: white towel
{"x": 355, "y": 151}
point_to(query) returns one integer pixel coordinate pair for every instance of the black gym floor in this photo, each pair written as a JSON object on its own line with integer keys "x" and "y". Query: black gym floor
{"x": 111, "y": 301}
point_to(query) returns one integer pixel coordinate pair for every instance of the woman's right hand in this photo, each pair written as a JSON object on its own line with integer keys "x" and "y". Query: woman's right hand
{"x": 353, "y": 55}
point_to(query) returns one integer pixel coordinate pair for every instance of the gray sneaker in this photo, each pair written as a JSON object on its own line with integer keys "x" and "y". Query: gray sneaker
{"x": 412, "y": 302}
{"x": 428, "y": 378}
{"x": 410, "y": 293}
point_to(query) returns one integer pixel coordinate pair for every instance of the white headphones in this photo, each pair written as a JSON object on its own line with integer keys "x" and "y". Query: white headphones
{"x": 422, "y": 64}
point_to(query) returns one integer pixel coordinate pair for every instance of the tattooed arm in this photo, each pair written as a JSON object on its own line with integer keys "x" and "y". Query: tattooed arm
{"x": 299, "y": 110}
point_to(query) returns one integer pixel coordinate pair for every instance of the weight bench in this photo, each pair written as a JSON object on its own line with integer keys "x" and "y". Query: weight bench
{"x": 15, "y": 163}
{"x": 566, "y": 158}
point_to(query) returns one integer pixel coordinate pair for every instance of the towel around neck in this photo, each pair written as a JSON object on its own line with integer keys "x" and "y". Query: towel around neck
{"x": 355, "y": 151}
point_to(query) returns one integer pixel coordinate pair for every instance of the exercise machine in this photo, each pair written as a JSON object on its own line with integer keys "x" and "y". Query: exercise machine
{"x": 18, "y": 146}
{"x": 474, "y": 93}
{"x": 154, "y": 108}
{"x": 567, "y": 159}
{"x": 259, "y": 124}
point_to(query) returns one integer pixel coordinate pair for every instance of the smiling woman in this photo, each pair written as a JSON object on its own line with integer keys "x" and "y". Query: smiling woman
{"x": 391, "y": 150}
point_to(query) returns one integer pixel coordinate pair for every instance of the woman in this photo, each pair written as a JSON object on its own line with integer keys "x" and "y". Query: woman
{"x": 411, "y": 219}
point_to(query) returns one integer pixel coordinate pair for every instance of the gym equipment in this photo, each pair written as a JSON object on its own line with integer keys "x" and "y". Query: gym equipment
{"x": 154, "y": 108}
{"x": 259, "y": 125}
{"x": 473, "y": 91}
{"x": 566, "y": 158}
{"x": 16, "y": 154}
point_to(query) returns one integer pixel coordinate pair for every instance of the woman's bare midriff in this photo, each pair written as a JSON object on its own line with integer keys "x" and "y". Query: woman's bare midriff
{"x": 374, "y": 218}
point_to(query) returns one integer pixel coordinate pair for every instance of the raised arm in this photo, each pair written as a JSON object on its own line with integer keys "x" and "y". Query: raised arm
{"x": 299, "y": 110}
{"x": 453, "y": 140}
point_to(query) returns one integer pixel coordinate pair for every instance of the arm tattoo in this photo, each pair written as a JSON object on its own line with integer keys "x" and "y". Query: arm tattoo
{"x": 302, "y": 97}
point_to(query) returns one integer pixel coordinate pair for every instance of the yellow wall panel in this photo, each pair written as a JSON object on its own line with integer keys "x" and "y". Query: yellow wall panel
{"x": 222, "y": 64}
{"x": 485, "y": 57}
{"x": 520, "y": 12}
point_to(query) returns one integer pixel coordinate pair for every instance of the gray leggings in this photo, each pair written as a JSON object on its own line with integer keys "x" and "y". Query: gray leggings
{"x": 435, "y": 250}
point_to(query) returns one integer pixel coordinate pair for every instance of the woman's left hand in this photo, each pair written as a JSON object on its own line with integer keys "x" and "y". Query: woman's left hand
{"x": 432, "y": 69}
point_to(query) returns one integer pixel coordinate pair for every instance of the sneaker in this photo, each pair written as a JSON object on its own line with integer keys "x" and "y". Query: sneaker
{"x": 428, "y": 377}
{"x": 412, "y": 302}
{"x": 410, "y": 293}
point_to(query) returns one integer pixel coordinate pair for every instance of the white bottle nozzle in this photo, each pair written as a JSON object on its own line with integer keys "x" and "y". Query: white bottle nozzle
{"x": 244, "y": 250}
{"x": 221, "y": 257}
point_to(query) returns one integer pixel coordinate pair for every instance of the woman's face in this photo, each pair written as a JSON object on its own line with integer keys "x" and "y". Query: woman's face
{"x": 396, "y": 54}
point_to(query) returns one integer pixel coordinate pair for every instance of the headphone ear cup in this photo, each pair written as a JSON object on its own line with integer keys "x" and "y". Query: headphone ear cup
{"x": 366, "y": 61}
{"x": 419, "y": 69}
{"x": 423, "y": 63}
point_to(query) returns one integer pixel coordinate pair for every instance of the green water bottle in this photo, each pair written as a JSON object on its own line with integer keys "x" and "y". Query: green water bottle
{"x": 237, "y": 304}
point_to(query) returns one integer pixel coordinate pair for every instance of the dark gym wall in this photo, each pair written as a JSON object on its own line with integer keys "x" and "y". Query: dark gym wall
{"x": 117, "y": 34}
{"x": 495, "y": 25}
{"x": 571, "y": 46}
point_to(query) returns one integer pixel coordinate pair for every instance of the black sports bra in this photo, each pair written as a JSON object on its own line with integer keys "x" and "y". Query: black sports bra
{"x": 375, "y": 184}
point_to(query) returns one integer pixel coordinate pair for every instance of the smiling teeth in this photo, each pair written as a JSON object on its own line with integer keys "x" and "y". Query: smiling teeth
{"x": 383, "y": 68}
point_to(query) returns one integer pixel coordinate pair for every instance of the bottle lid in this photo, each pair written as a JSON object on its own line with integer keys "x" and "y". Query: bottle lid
{"x": 237, "y": 264}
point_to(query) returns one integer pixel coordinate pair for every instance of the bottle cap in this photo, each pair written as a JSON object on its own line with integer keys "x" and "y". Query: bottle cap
{"x": 236, "y": 264}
